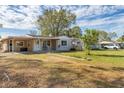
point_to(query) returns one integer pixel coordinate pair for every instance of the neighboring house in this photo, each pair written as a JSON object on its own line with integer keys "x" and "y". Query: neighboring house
{"x": 121, "y": 44}
{"x": 107, "y": 43}
{"x": 38, "y": 44}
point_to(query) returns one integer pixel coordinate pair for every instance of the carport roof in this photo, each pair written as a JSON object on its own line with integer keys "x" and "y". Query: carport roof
{"x": 107, "y": 42}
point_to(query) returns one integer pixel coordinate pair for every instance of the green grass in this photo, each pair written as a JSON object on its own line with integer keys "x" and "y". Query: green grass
{"x": 107, "y": 57}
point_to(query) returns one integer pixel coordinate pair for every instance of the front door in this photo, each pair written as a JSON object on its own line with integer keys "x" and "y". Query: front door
{"x": 37, "y": 45}
{"x": 10, "y": 45}
{"x": 46, "y": 45}
{"x": 49, "y": 45}
{"x": 53, "y": 44}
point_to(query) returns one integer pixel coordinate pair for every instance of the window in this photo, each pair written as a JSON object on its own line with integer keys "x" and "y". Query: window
{"x": 78, "y": 42}
{"x": 20, "y": 43}
{"x": 64, "y": 43}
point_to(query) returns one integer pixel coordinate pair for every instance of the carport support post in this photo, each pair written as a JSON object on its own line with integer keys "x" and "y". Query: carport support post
{"x": 50, "y": 45}
{"x": 42, "y": 44}
{"x": 12, "y": 45}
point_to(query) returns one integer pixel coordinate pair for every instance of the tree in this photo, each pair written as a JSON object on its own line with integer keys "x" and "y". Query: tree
{"x": 55, "y": 22}
{"x": 112, "y": 35}
{"x": 103, "y": 36}
{"x": 121, "y": 39}
{"x": 75, "y": 32}
{"x": 90, "y": 37}
{"x": 32, "y": 32}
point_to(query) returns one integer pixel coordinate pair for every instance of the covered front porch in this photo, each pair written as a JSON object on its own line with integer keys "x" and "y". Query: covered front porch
{"x": 45, "y": 44}
{"x": 20, "y": 45}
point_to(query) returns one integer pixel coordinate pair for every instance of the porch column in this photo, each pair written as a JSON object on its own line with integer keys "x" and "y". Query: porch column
{"x": 50, "y": 44}
{"x": 41, "y": 44}
{"x": 33, "y": 44}
{"x": 8, "y": 45}
{"x": 13, "y": 44}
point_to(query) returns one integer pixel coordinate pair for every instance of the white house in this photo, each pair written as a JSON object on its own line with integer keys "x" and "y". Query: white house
{"x": 38, "y": 43}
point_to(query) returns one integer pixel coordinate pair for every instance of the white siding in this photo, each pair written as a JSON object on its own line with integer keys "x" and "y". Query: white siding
{"x": 4, "y": 47}
{"x": 37, "y": 46}
{"x": 60, "y": 47}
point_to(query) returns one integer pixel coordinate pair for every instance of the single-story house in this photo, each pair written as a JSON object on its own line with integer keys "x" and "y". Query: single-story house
{"x": 104, "y": 43}
{"x": 32, "y": 43}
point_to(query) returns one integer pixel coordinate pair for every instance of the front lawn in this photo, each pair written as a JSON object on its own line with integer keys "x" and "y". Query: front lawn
{"x": 54, "y": 70}
{"x": 106, "y": 57}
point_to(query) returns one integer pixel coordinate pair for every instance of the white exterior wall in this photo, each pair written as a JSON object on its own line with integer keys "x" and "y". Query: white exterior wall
{"x": 4, "y": 47}
{"x": 59, "y": 46}
{"x": 37, "y": 47}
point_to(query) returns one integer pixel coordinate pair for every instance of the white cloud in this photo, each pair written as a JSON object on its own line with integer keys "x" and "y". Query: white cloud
{"x": 119, "y": 19}
{"x": 23, "y": 17}
{"x": 89, "y": 11}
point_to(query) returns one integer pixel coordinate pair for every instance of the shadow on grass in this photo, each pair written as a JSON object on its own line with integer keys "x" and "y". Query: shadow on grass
{"x": 118, "y": 68}
{"x": 24, "y": 81}
{"x": 12, "y": 61}
{"x": 116, "y": 83}
{"x": 111, "y": 82}
{"x": 104, "y": 69}
{"x": 18, "y": 79}
{"x": 102, "y": 84}
{"x": 22, "y": 60}
{"x": 104, "y": 55}
{"x": 32, "y": 53}
{"x": 58, "y": 79}
{"x": 99, "y": 68}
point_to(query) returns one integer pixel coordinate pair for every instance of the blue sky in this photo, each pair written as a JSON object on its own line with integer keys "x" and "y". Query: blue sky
{"x": 19, "y": 20}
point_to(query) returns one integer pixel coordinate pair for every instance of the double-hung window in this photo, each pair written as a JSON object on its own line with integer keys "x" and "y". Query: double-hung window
{"x": 64, "y": 43}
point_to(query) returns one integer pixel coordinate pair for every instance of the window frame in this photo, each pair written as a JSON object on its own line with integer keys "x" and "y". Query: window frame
{"x": 19, "y": 42}
{"x": 65, "y": 44}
